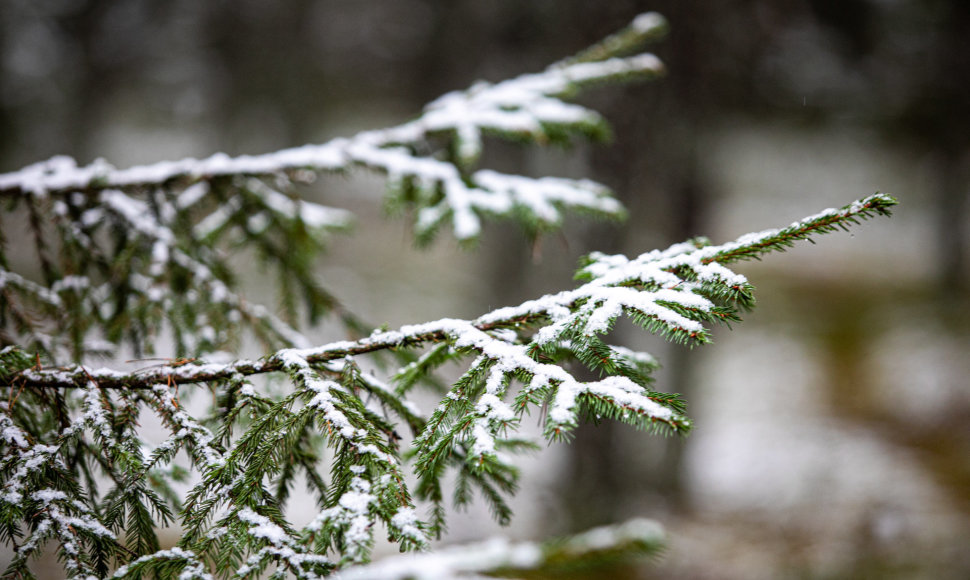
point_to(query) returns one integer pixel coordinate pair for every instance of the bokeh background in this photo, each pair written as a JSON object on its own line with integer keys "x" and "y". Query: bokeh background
{"x": 832, "y": 433}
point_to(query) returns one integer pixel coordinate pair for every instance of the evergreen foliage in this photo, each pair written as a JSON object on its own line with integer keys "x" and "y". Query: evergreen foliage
{"x": 127, "y": 257}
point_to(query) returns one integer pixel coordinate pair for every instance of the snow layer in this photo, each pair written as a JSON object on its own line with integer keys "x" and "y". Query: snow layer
{"x": 523, "y": 106}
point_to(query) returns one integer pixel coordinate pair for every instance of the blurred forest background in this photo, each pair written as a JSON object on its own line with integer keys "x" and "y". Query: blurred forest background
{"x": 832, "y": 433}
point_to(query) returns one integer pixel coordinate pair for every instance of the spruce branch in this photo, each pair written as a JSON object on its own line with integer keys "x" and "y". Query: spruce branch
{"x": 172, "y": 563}
{"x": 754, "y": 245}
{"x": 528, "y": 107}
{"x": 645, "y": 28}
{"x": 42, "y": 499}
{"x": 128, "y": 253}
{"x": 125, "y": 254}
{"x": 585, "y": 552}
{"x": 675, "y": 292}
{"x": 689, "y": 276}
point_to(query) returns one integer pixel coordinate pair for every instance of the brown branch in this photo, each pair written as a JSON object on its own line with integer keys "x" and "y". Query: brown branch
{"x": 179, "y": 372}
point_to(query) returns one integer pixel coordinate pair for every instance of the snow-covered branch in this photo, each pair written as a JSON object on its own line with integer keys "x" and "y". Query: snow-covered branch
{"x": 528, "y": 107}
{"x": 500, "y": 557}
{"x": 126, "y": 255}
{"x": 665, "y": 288}
{"x": 173, "y": 221}
{"x": 676, "y": 292}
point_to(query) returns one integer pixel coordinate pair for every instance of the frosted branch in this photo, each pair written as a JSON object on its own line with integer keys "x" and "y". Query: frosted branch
{"x": 128, "y": 253}
{"x": 280, "y": 546}
{"x": 499, "y": 557}
{"x": 169, "y": 220}
{"x": 651, "y": 283}
{"x": 529, "y": 106}
{"x": 184, "y": 429}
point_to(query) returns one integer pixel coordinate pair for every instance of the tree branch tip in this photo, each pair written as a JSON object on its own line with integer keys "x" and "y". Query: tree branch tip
{"x": 652, "y": 25}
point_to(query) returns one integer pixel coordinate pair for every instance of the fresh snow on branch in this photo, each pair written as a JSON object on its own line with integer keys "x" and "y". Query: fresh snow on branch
{"x": 175, "y": 220}
{"x": 499, "y": 556}
{"x": 674, "y": 292}
{"x": 127, "y": 255}
{"x": 527, "y": 107}
{"x": 665, "y": 286}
